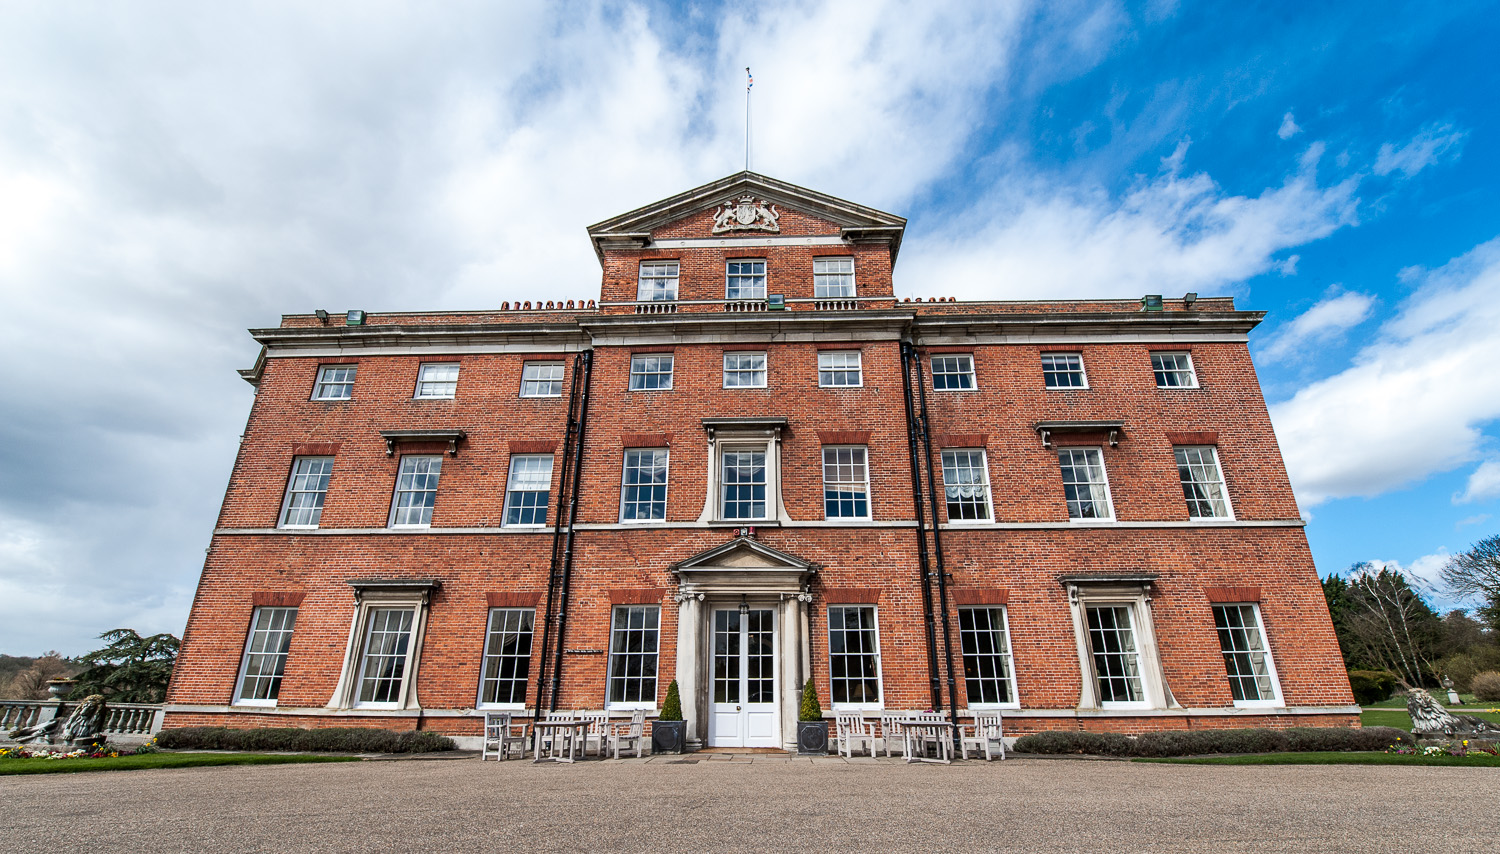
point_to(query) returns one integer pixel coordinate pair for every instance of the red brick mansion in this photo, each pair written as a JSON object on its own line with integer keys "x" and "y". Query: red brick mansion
{"x": 748, "y": 464}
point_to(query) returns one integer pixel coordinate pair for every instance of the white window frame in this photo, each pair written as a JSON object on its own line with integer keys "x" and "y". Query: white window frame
{"x": 864, "y": 463}
{"x": 764, "y": 274}
{"x": 1109, "y": 501}
{"x": 1275, "y": 700}
{"x": 1192, "y": 370}
{"x": 725, "y": 449}
{"x": 609, "y": 677}
{"x": 292, "y": 491}
{"x": 658, "y": 293}
{"x": 422, "y": 391}
{"x": 284, "y": 635}
{"x": 396, "y": 496}
{"x": 1082, "y": 372}
{"x": 489, "y": 653}
{"x": 858, "y": 368}
{"x": 1135, "y": 596}
{"x": 624, "y": 487}
{"x": 989, "y": 497}
{"x": 973, "y": 379}
{"x": 817, "y": 285}
{"x": 879, "y": 660}
{"x": 511, "y": 492}
{"x": 668, "y": 359}
{"x": 536, "y": 381}
{"x": 743, "y": 439}
{"x": 1213, "y": 454}
{"x": 763, "y": 371}
{"x": 1009, "y": 658}
{"x": 323, "y": 385}
{"x": 346, "y": 692}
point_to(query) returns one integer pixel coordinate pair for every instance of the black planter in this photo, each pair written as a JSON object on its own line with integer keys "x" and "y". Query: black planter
{"x": 812, "y": 738}
{"x": 668, "y": 736}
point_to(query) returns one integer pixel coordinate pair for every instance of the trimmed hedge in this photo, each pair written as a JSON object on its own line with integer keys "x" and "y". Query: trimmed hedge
{"x": 1486, "y": 686}
{"x": 1205, "y": 741}
{"x": 1372, "y": 686}
{"x": 331, "y": 740}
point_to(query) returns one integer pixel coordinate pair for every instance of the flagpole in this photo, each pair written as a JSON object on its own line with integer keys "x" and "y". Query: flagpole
{"x": 749, "y": 82}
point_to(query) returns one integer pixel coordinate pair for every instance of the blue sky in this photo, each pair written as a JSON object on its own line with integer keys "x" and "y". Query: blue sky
{"x": 172, "y": 173}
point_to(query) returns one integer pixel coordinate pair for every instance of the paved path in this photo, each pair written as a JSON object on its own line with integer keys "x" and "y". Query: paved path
{"x": 753, "y": 804}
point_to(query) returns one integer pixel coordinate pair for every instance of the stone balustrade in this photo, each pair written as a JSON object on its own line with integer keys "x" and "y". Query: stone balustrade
{"x": 128, "y": 723}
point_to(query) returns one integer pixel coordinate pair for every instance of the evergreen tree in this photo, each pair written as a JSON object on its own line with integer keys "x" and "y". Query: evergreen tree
{"x": 131, "y": 669}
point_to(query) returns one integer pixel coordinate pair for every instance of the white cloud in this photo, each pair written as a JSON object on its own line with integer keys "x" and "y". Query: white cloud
{"x": 1288, "y": 127}
{"x": 1414, "y": 401}
{"x": 1325, "y": 321}
{"x": 1424, "y": 149}
{"x": 171, "y": 173}
{"x": 1484, "y": 483}
{"x": 1030, "y": 238}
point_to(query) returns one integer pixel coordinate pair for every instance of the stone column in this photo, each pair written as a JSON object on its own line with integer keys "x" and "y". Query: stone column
{"x": 689, "y": 627}
{"x": 790, "y": 659}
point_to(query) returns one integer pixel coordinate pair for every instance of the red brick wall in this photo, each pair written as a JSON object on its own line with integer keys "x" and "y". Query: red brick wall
{"x": 1019, "y": 566}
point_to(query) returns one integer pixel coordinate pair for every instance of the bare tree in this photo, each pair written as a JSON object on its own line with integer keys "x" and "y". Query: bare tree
{"x": 1476, "y": 573}
{"x": 1389, "y": 623}
{"x": 31, "y": 683}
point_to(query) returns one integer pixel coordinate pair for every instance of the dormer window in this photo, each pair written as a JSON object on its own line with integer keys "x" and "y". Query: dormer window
{"x": 745, "y": 280}
{"x": 658, "y": 281}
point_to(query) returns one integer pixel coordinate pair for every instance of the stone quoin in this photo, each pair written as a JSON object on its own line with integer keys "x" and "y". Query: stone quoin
{"x": 725, "y": 467}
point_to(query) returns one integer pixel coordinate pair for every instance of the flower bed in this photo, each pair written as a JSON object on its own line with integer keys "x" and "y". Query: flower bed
{"x": 101, "y": 751}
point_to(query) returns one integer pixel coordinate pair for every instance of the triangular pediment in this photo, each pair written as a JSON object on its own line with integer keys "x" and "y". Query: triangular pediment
{"x": 743, "y": 553}
{"x": 842, "y": 215}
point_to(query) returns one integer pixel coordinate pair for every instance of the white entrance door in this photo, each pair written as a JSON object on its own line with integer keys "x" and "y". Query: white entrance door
{"x": 743, "y": 709}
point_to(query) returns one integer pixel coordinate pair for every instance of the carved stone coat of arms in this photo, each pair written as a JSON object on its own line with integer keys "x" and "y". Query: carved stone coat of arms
{"x": 746, "y": 214}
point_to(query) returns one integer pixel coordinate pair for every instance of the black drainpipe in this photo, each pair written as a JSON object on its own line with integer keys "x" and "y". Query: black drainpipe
{"x": 554, "y": 572}
{"x": 925, "y": 572}
{"x": 587, "y": 358}
{"x": 937, "y": 549}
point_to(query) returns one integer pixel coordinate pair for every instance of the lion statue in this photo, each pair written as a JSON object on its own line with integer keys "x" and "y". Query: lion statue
{"x": 1430, "y": 719}
{"x": 85, "y": 726}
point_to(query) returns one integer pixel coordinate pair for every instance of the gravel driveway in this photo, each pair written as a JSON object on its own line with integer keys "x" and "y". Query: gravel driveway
{"x": 1033, "y": 805}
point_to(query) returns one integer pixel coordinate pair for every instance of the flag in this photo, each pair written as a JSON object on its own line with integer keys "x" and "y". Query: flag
{"x": 749, "y": 80}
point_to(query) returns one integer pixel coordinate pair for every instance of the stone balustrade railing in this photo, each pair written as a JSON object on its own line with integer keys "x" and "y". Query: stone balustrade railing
{"x": 127, "y": 721}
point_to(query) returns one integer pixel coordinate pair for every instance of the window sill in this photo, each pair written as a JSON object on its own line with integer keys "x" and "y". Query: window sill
{"x": 848, "y": 520}
{"x": 997, "y": 707}
{"x": 856, "y": 707}
{"x": 445, "y": 397}
{"x": 1121, "y": 707}
{"x": 630, "y": 707}
{"x": 1259, "y": 704}
{"x": 296, "y": 527}
{"x": 1101, "y": 523}
{"x": 499, "y": 707}
{"x": 744, "y": 523}
{"x": 255, "y": 704}
{"x": 409, "y": 527}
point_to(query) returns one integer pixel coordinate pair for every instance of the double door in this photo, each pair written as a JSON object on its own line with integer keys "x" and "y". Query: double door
{"x": 742, "y": 701}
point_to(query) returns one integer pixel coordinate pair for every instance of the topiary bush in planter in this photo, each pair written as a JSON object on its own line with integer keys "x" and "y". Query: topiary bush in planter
{"x": 669, "y": 730}
{"x": 812, "y": 730}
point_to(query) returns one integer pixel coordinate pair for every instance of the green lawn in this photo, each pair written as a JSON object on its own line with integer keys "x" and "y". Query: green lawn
{"x": 1375, "y": 716}
{"x": 1472, "y": 761}
{"x": 158, "y": 760}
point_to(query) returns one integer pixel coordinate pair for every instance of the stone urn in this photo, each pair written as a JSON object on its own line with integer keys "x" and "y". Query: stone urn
{"x": 60, "y": 688}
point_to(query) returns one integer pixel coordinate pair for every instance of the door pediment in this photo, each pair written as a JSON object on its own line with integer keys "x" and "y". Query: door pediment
{"x": 743, "y": 566}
